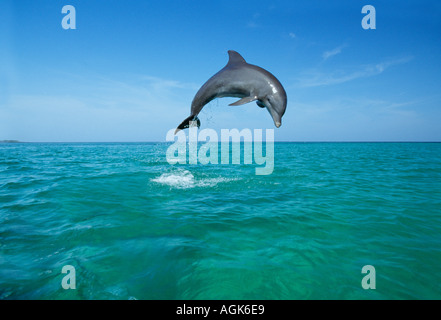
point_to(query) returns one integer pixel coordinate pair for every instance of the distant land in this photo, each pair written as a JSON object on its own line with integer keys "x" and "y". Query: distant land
{"x": 9, "y": 141}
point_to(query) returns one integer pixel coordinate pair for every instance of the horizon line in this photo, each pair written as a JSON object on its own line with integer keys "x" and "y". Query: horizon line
{"x": 278, "y": 141}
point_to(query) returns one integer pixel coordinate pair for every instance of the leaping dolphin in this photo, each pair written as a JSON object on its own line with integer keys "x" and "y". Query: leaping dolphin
{"x": 243, "y": 80}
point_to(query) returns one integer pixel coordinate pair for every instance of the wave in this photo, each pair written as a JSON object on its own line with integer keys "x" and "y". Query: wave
{"x": 184, "y": 179}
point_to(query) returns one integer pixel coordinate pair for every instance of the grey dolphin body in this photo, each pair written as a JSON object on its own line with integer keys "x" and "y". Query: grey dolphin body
{"x": 245, "y": 81}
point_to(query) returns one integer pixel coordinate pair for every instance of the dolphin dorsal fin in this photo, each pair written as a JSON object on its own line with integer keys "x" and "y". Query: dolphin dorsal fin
{"x": 235, "y": 57}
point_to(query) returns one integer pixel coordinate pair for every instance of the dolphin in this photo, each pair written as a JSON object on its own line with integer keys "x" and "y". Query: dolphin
{"x": 242, "y": 80}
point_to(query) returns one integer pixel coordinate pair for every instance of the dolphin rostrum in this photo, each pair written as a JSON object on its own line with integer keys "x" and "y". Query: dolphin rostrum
{"x": 242, "y": 80}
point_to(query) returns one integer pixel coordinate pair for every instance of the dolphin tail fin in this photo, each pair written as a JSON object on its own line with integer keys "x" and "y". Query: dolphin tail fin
{"x": 186, "y": 123}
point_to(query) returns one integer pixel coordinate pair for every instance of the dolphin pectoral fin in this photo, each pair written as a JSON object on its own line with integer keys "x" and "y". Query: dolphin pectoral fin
{"x": 186, "y": 123}
{"x": 243, "y": 101}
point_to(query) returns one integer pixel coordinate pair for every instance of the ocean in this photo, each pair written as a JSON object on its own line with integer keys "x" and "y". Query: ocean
{"x": 133, "y": 226}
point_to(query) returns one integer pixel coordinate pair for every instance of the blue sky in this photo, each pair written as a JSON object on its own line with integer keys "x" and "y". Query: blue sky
{"x": 131, "y": 68}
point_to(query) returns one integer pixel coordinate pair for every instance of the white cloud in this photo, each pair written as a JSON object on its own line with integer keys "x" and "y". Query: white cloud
{"x": 160, "y": 84}
{"x": 328, "y": 54}
{"x": 357, "y": 119}
{"x": 253, "y": 23}
{"x": 135, "y": 108}
{"x": 316, "y": 79}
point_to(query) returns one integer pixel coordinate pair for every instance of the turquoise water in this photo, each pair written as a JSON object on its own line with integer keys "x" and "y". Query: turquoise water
{"x": 135, "y": 227}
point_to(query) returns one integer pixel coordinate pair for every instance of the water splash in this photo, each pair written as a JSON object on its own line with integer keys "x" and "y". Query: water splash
{"x": 184, "y": 179}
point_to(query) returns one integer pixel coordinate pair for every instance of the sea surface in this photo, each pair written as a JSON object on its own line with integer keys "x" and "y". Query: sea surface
{"x": 136, "y": 227}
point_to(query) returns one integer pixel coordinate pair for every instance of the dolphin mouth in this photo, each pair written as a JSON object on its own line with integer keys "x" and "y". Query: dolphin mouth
{"x": 276, "y": 118}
